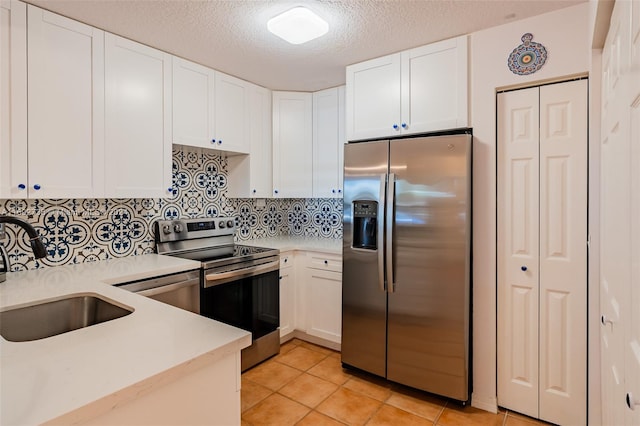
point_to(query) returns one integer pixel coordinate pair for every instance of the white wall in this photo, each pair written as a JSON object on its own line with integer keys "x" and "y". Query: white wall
{"x": 566, "y": 36}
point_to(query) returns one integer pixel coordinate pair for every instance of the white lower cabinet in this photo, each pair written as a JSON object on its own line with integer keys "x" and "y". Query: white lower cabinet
{"x": 287, "y": 294}
{"x": 322, "y": 286}
{"x": 311, "y": 297}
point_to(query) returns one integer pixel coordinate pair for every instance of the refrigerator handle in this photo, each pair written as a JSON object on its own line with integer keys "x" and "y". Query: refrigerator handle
{"x": 380, "y": 227}
{"x": 389, "y": 205}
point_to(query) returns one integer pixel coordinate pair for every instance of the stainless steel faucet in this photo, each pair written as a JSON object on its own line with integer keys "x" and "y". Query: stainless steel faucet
{"x": 36, "y": 243}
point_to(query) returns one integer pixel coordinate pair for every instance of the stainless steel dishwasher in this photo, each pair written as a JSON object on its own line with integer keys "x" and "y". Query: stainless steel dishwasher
{"x": 181, "y": 290}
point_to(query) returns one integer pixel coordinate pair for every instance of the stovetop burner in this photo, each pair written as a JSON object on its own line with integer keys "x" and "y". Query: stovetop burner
{"x": 209, "y": 241}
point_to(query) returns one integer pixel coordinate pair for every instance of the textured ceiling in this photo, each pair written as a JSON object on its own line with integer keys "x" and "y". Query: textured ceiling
{"x": 231, "y": 35}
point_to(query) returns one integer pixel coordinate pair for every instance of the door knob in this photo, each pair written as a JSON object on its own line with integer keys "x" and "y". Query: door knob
{"x": 632, "y": 403}
{"x": 524, "y": 268}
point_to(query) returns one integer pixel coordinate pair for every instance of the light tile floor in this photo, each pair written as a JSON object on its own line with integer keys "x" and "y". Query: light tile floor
{"x": 306, "y": 385}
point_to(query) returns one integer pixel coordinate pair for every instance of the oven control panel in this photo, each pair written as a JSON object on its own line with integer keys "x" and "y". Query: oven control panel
{"x": 187, "y": 229}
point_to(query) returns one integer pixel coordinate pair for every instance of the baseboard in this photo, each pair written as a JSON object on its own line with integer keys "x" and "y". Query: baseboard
{"x": 299, "y": 334}
{"x": 489, "y": 404}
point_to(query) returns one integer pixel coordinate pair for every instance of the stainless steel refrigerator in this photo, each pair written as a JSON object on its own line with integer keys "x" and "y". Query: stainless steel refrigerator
{"x": 406, "y": 261}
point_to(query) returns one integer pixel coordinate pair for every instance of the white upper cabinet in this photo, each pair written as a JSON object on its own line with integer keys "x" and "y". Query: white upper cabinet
{"x": 328, "y": 142}
{"x": 138, "y": 120}
{"x": 65, "y": 107}
{"x": 373, "y": 98}
{"x": 13, "y": 99}
{"x": 292, "y": 145}
{"x": 419, "y": 90}
{"x": 193, "y": 104}
{"x": 251, "y": 176}
{"x": 210, "y": 108}
{"x": 231, "y": 114}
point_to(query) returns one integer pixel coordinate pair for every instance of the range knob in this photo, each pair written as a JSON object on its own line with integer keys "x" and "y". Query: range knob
{"x": 177, "y": 227}
{"x": 221, "y": 224}
{"x": 166, "y": 229}
{"x": 230, "y": 224}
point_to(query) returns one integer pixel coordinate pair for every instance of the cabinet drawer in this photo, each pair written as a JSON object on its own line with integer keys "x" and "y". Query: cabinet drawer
{"x": 286, "y": 260}
{"x": 324, "y": 262}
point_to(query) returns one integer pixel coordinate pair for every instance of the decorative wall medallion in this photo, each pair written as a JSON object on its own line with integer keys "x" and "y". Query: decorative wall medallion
{"x": 527, "y": 58}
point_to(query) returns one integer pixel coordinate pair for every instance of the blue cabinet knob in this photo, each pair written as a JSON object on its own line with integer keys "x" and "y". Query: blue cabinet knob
{"x": 169, "y": 189}
{"x": 254, "y": 191}
{"x": 395, "y": 126}
{"x": 213, "y": 141}
{"x": 275, "y": 191}
{"x": 37, "y": 187}
{"x": 326, "y": 262}
{"x": 333, "y": 191}
{"x": 22, "y": 186}
{"x": 524, "y": 268}
{"x": 404, "y": 125}
{"x": 219, "y": 141}
{"x": 339, "y": 191}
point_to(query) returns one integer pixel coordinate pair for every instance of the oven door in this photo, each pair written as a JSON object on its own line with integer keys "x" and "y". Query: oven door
{"x": 247, "y": 298}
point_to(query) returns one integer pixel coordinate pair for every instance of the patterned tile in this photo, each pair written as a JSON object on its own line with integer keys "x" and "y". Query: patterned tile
{"x": 86, "y": 230}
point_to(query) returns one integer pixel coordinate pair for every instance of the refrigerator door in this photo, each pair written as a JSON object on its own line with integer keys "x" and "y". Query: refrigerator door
{"x": 364, "y": 300}
{"x": 428, "y": 318}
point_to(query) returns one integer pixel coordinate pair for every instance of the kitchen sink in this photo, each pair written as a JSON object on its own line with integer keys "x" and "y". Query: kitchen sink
{"x": 48, "y": 319}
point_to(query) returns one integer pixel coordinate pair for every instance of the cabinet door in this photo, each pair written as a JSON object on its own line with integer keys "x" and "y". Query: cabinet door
{"x": 373, "y": 98}
{"x": 193, "y": 106}
{"x": 13, "y": 99}
{"x": 324, "y": 304}
{"x": 65, "y": 107}
{"x": 251, "y": 176}
{"x": 232, "y": 112}
{"x": 138, "y": 120}
{"x": 292, "y": 145}
{"x": 287, "y": 294}
{"x": 434, "y": 86}
{"x": 328, "y": 144}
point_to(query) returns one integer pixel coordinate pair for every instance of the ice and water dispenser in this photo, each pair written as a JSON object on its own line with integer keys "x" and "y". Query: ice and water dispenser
{"x": 365, "y": 228}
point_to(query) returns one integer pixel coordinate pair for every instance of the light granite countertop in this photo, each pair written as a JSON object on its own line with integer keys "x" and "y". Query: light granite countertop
{"x": 289, "y": 243}
{"x": 109, "y": 363}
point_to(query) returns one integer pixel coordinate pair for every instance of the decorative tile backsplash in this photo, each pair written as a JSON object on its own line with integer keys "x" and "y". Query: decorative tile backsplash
{"x": 85, "y": 230}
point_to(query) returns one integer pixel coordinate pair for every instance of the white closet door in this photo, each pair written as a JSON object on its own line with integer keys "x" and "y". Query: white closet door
{"x": 633, "y": 331}
{"x": 563, "y": 252}
{"x": 518, "y": 250}
{"x": 615, "y": 218}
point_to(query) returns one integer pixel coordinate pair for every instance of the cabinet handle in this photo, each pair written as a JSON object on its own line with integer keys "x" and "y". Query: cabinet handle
{"x": 523, "y": 268}
{"x": 22, "y": 187}
{"x": 333, "y": 191}
{"x": 170, "y": 189}
{"x": 395, "y": 126}
{"x": 326, "y": 262}
{"x": 219, "y": 141}
{"x": 631, "y": 402}
{"x": 604, "y": 320}
{"x": 404, "y": 125}
{"x": 275, "y": 191}
{"x": 213, "y": 141}
{"x": 339, "y": 191}
{"x": 254, "y": 191}
{"x": 37, "y": 187}
{"x": 285, "y": 260}
{"x": 280, "y": 277}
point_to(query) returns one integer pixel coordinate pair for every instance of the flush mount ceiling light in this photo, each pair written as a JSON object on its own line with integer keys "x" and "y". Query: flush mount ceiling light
{"x": 298, "y": 25}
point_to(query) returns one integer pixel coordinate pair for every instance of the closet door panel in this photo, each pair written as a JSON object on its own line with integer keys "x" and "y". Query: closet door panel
{"x": 563, "y": 252}
{"x": 518, "y": 250}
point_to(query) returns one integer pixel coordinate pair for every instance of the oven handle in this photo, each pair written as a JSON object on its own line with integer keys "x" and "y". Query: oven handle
{"x": 217, "y": 278}
{"x": 167, "y": 288}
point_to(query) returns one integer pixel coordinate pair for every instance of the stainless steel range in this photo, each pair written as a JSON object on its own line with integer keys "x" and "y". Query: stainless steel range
{"x": 239, "y": 285}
